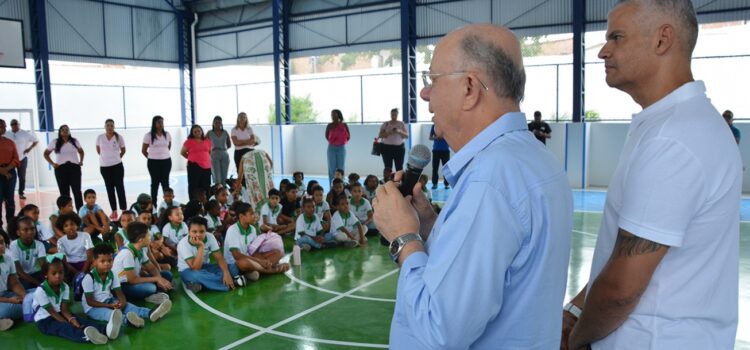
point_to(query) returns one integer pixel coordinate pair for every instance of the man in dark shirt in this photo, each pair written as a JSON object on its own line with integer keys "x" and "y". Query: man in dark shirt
{"x": 540, "y": 129}
{"x": 729, "y": 118}
{"x": 289, "y": 204}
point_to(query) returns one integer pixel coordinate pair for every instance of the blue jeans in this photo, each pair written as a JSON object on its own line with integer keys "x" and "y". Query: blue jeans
{"x": 336, "y": 160}
{"x": 210, "y": 276}
{"x": 50, "y": 326}
{"x": 7, "y": 187}
{"x": 8, "y": 310}
{"x": 103, "y": 313}
{"x": 308, "y": 240}
{"x": 142, "y": 290}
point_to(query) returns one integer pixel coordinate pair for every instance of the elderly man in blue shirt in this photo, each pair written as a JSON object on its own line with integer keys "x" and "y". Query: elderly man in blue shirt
{"x": 489, "y": 272}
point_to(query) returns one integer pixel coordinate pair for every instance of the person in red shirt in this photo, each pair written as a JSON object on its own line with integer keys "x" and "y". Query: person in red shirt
{"x": 337, "y": 134}
{"x": 197, "y": 151}
{"x": 8, "y": 164}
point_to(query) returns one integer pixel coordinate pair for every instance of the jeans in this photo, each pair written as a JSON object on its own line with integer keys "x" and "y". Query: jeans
{"x": 8, "y": 310}
{"x": 198, "y": 179}
{"x": 142, "y": 290}
{"x": 210, "y": 276}
{"x": 336, "y": 160}
{"x": 308, "y": 240}
{"x": 50, "y": 326}
{"x": 219, "y": 166}
{"x": 7, "y": 187}
{"x": 113, "y": 181}
{"x": 159, "y": 170}
{"x": 103, "y": 313}
{"x": 22, "y": 176}
{"x": 68, "y": 178}
{"x": 393, "y": 154}
{"x": 437, "y": 157}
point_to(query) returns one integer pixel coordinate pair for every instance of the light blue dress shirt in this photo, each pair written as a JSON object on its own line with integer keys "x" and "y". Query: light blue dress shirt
{"x": 494, "y": 271}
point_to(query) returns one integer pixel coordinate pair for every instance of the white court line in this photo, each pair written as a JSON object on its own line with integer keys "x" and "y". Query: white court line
{"x": 585, "y": 233}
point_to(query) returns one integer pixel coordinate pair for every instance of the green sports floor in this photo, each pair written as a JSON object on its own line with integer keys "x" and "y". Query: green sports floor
{"x": 338, "y": 299}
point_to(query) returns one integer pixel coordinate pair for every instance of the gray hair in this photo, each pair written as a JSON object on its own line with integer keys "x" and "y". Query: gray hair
{"x": 682, "y": 11}
{"x": 507, "y": 79}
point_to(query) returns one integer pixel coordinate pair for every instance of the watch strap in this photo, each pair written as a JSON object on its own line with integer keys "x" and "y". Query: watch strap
{"x": 400, "y": 242}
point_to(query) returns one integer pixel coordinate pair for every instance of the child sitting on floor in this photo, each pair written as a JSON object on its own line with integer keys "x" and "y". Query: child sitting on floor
{"x": 27, "y": 254}
{"x": 371, "y": 185}
{"x": 76, "y": 246}
{"x": 213, "y": 219}
{"x": 337, "y": 190}
{"x": 345, "y": 228}
{"x": 93, "y": 219}
{"x": 192, "y": 261}
{"x": 362, "y": 209}
{"x": 239, "y": 246}
{"x": 174, "y": 228}
{"x": 140, "y": 279}
{"x": 270, "y": 212}
{"x": 299, "y": 181}
{"x": 168, "y": 201}
{"x": 166, "y": 258}
{"x": 11, "y": 290}
{"x": 64, "y": 206}
{"x": 309, "y": 230}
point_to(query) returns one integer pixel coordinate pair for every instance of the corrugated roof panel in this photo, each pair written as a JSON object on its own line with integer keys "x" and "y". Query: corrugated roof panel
{"x": 75, "y": 27}
{"x": 18, "y": 9}
{"x": 317, "y": 33}
{"x": 301, "y": 6}
{"x": 155, "y": 35}
{"x": 374, "y": 26}
{"x": 438, "y": 19}
{"x": 535, "y": 13}
{"x": 156, "y": 4}
{"x": 217, "y": 47}
{"x": 118, "y": 26}
{"x": 255, "y": 42}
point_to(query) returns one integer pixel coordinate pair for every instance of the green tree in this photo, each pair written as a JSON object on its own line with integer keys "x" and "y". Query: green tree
{"x": 302, "y": 111}
{"x": 591, "y": 116}
{"x": 530, "y": 46}
{"x": 427, "y": 50}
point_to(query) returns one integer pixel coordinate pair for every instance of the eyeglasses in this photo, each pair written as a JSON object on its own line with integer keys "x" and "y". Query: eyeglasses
{"x": 427, "y": 78}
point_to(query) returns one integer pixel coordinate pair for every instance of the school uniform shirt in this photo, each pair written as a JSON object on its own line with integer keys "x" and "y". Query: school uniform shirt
{"x": 213, "y": 222}
{"x": 44, "y": 233}
{"x": 44, "y": 296}
{"x": 101, "y": 290}
{"x": 238, "y": 238}
{"x": 348, "y": 221}
{"x": 173, "y": 234}
{"x": 110, "y": 149}
{"x": 321, "y": 209}
{"x": 272, "y": 214}
{"x": 370, "y": 194}
{"x": 361, "y": 209}
{"x": 309, "y": 226}
{"x": 155, "y": 233}
{"x": 7, "y": 269}
{"x": 129, "y": 259}
{"x": 125, "y": 240}
{"x": 28, "y": 256}
{"x": 187, "y": 251}
{"x": 159, "y": 147}
{"x": 75, "y": 249}
{"x": 68, "y": 152}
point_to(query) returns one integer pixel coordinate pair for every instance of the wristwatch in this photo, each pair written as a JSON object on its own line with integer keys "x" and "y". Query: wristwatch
{"x": 397, "y": 245}
{"x": 573, "y": 309}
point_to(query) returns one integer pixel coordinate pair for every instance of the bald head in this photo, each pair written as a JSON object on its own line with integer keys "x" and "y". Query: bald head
{"x": 680, "y": 14}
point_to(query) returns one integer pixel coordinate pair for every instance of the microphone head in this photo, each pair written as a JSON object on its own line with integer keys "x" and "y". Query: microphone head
{"x": 419, "y": 157}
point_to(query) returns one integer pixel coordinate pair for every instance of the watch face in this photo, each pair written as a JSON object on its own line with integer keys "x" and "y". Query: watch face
{"x": 394, "y": 247}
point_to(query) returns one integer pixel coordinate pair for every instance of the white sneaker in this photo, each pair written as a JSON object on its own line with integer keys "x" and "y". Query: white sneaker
{"x": 350, "y": 244}
{"x": 252, "y": 276}
{"x": 306, "y": 247}
{"x": 160, "y": 311}
{"x": 157, "y": 298}
{"x": 114, "y": 324}
{"x": 135, "y": 320}
{"x": 93, "y": 335}
{"x": 5, "y": 324}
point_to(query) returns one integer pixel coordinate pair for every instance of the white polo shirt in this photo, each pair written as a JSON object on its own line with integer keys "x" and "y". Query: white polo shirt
{"x": 321, "y": 209}
{"x": 7, "y": 269}
{"x": 308, "y": 226}
{"x": 23, "y": 140}
{"x": 101, "y": 290}
{"x": 75, "y": 249}
{"x": 129, "y": 259}
{"x": 27, "y": 256}
{"x": 238, "y": 239}
{"x": 44, "y": 296}
{"x": 361, "y": 209}
{"x": 110, "y": 149}
{"x": 173, "y": 234}
{"x": 678, "y": 183}
{"x": 349, "y": 222}
{"x": 272, "y": 214}
{"x": 187, "y": 251}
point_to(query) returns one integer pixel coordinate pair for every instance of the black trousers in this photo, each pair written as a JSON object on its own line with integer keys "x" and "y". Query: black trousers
{"x": 68, "y": 178}
{"x": 159, "y": 170}
{"x": 113, "y": 181}
{"x": 22, "y": 176}
{"x": 198, "y": 178}
{"x": 238, "y": 153}
{"x": 437, "y": 157}
{"x": 393, "y": 154}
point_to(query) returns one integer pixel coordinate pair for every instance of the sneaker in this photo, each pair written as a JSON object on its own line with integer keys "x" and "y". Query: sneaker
{"x": 5, "y": 324}
{"x": 135, "y": 320}
{"x": 93, "y": 335}
{"x": 240, "y": 281}
{"x": 306, "y": 247}
{"x": 21, "y": 197}
{"x": 447, "y": 187}
{"x": 159, "y": 312}
{"x": 157, "y": 298}
{"x": 252, "y": 276}
{"x": 114, "y": 324}
{"x": 434, "y": 187}
{"x": 350, "y": 244}
{"x": 193, "y": 287}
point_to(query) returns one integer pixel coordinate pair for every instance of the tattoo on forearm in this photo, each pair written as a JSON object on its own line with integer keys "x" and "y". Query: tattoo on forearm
{"x": 634, "y": 245}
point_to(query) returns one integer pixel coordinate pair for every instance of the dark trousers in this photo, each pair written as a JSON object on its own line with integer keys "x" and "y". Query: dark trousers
{"x": 198, "y": 178}
{"x": 238, "y": 153}
{"x": 393, "y": 154}
{"x": 68, "y": 178}
{"x": 22, "y": 176}
{"x": 51, "y": 326}
{"x": 159, "y": 170}
{"x": 437, "y": 157}
{"x": 113, "y": 180}
{"x": 7, "y": 186}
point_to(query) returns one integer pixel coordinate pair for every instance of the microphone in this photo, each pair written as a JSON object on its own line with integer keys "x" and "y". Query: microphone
{"x": 419, "y": 157}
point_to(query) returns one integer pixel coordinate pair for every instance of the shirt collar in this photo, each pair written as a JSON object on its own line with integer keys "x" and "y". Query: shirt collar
{"x": 95, "y": 275}
{"x": 136, "y": 252}
{"x": 51, "y": 293}
{"x": 507, "y": 123}
{"x": 311, "y": 218}
{"x": 683, "y": 93}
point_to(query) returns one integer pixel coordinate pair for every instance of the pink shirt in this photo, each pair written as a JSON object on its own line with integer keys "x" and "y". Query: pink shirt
{"x": 339, "y": 135}
{"x": 68, "y": 152}
{"x": 393, "y": 139}
{"x": 199, "y": 152}
{"x": 159, "y": 149}
{"x": 109, "y": 149}
{"x": 242, "y": 135}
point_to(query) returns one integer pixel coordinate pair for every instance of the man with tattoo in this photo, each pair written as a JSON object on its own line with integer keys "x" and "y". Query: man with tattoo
{"x": 665, "y": 269}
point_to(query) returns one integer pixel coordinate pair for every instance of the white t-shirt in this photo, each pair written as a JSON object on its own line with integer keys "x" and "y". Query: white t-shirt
{"x": 237, "y": 240}
{"x": 173, "y": 234}
{"x": 44, "y": 296}
{"x": 272, "y": 215}
{"x": 349, "y": 222}
{"x": 28, "y": 257}
{"x": 7, "y": 268}
{"x": 110, "y": 149}
{"x": 101, "y": 290}
{"x": 321, "y": 209}
{"x": 307, "y": 226}
{"x": 159, "y": 148}
{"x": 361, "y": 209}
{"x": 678, "y": 183}
{"x": 68, "y": 152}
{"x": 126, "y": 260}
{"x": 213, "y": 223}
{"x": 23, "y": 140}
{"x": 242, "y": 135}
{"x": 187, "y": 251}
{"x": 75, "y": 249}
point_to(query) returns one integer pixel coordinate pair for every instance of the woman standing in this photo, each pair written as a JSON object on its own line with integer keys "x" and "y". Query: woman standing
{"x": 111, "y": 147}
{"x": 219, "y": 157}
{"x": 393, "y": 133}
{"x": 243, "y": 139}
{"x": 337, "y": 134}
{"x": 156, "y": 146}
{"x": 197, "y": 151}
{"x": 67, "y": 164}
